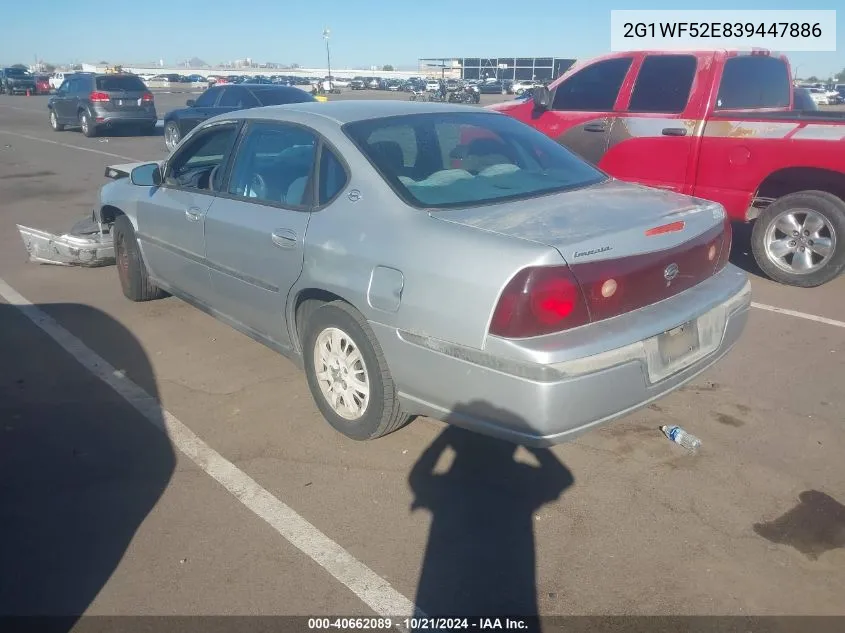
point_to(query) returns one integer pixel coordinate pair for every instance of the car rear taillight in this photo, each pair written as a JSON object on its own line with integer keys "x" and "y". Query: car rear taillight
{"x": 616, "y": 286}
{"x": 147, "y": 98}
{"x": 98, "y": 97}
{"x": 539, "y": 300}
{"x": 725, "y": 245}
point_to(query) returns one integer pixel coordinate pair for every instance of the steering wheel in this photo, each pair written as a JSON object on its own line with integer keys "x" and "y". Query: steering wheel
{"x": 257, "y": 187}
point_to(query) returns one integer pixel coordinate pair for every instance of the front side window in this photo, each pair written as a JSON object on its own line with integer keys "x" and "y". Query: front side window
{"x": 196, "y": 165}
{"x": 274, "y": 164}
{"x": 269, "y": 97}
{"x": 208, "y": 98}
{"x": 469, "y": 159}
{"x": 663, "y": 84}
{"x": 594, "y": 88}
{"x": 754, "y": 81}
{"x": 237, "y": 97}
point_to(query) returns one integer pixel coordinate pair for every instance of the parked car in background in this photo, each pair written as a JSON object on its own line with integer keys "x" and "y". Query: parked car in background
{"x": 564, "y": 298}
{"x": 719, "y": 125}
{"x": 519, "y": 87}
{"x": 223, "y": 99}
{"x": 819, "y": 96}
{"x": 432, "y": 84}
{"x": 42, "y": 85}
{"x": 357, "y": 84}
{"x": 17, "y": 81}
{"x": 802, "y": 100}
{"x": 96, "y": 102}
{"x": 57, "y": 78}
{"x": 492, "y": 88}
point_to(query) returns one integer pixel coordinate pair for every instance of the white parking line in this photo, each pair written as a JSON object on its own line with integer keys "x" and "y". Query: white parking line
{"x": 800, "y": 315}
{"x": 371, "y": 588}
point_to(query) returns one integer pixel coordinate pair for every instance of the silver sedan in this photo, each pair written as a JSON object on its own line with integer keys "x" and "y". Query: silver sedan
{"x": 416, "y": 257}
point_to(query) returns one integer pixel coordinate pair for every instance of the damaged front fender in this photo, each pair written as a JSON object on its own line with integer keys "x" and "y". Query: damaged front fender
{"x": 89, "y": 243}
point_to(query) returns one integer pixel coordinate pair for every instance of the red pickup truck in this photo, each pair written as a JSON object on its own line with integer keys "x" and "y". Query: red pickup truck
{"x": 718, "y": 125}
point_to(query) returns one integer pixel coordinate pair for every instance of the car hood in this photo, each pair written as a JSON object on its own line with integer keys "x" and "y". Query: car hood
{"x": 601, "y": 221}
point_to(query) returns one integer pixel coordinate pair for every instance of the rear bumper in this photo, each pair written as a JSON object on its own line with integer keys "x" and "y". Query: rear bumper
{"x": 542, "y": 405}
{"x": 112, "y": 119}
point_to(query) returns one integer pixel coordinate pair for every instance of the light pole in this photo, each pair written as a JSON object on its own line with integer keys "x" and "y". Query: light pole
{"x": 326, "y": 34}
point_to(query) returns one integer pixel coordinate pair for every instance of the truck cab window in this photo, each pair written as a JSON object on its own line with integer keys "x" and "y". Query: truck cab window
{"x": 594, "y": 88}
{"x": 754, "y": 81}
{"x": 663, "y": 84}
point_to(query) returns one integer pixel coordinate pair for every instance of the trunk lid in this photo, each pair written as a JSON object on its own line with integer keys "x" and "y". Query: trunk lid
{"x": 604, "y": 221}
{"x": 641, "y": 245}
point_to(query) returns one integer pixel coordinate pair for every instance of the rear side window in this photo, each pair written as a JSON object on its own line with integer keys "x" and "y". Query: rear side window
{"x": 594, "y": 88}
{"x": 663, "y": 84}
{"x": 332, "y": 175}
{"x": 118, "y": 83}
{"x": 753, "y": 81}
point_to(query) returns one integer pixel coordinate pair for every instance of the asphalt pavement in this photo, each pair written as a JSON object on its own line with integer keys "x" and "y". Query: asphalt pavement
{"x": 249, "y": 503}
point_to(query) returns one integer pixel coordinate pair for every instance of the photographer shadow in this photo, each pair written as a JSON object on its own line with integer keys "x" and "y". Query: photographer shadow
{"x": 80, "y": 468}
{"x": 480, "y": 559}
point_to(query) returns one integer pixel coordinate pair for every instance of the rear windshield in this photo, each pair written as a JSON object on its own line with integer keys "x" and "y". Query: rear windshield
{"x": 281, "y": 97}
{"x": 452, "y": 159}
{"x": 109, "y": 84}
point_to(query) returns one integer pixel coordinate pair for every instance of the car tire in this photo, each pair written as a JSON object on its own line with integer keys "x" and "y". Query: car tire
{"x": 54, "y": 122}
{"x": 131, "y": 269}
{"x": 381, "y": 412}
{"x": 805, "y": 211}
{"x": 172, "y": 135}
{"x": 88, "y": 128}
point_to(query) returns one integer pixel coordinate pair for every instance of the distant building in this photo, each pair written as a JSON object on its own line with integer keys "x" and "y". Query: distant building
{"x": 506, "y": 68}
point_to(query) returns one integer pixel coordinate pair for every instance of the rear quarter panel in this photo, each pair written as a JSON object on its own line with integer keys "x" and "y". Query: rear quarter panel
{"x": 738, "y": 154}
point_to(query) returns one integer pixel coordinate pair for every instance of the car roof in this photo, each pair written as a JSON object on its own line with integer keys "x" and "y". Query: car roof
{"x": 357, "y": 110}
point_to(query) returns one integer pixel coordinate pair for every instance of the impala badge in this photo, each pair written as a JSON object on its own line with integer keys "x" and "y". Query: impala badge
{"x": 670, "y": 272}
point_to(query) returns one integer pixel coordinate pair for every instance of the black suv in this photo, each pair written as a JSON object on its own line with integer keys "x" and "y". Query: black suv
{"x": 17, "y": 80}
{"x": 94, "y": 102}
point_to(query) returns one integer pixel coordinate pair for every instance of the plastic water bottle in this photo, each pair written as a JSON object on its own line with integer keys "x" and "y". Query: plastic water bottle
{"x": 679, "y": 436}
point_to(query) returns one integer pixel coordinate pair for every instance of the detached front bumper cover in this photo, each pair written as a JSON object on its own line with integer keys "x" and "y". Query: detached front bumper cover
{"x": 88, "y": 244}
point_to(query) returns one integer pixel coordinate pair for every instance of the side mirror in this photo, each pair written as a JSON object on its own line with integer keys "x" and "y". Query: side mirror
{"x": 148, "y": 175}
{"x": 542, "y": 98}
{"x": 190, "y": 103}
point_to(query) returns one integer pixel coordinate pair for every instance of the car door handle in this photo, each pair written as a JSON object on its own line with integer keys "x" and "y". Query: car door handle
{"x": 284, "y": 238}
{"x": 674, "y": 131}
{"x": 193, "y": 214}
{"x": 595, "y": 127}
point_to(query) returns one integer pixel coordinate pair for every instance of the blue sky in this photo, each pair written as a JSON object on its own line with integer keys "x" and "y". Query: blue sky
{"x": 374, "y": 32}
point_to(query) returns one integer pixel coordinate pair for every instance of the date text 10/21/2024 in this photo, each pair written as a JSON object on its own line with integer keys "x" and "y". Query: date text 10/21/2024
{"x": 415, "y": 624}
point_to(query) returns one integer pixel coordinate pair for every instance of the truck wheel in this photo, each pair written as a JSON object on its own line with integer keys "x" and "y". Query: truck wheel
{"x": 54, "y": 122}
{"x": 86, "y": 125}
{"x": 798, "y": 239}
{"x": 131, "y": 269}
{"x": 347, "y": 372}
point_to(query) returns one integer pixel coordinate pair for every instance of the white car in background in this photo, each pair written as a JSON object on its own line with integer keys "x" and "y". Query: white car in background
{"x": 819, "y": 96}
{"x": 56, "y": 79}
{"x": 432, "y": 84}
{"x": 518, "y": 87}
